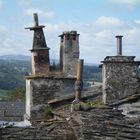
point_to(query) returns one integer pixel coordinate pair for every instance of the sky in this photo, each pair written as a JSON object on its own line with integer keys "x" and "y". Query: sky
{"x": 97, "y": 22}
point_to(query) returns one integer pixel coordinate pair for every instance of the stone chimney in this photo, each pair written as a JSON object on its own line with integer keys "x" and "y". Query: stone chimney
{"x": 120, "y": 76}
{"x": 69, "y": 52}
{"x": 40, "y": 51}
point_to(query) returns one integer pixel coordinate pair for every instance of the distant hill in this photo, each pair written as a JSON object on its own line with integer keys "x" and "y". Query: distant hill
{"x": 91, "y": 64}
{"x": 23, "y": 58}
{"x": 28, "y": 58}
{"x": 15, "y": 57}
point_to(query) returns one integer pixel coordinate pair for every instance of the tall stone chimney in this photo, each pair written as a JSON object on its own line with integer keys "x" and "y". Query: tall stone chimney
{"x": 69, "y": 52}
{"x": 40, "y": 51}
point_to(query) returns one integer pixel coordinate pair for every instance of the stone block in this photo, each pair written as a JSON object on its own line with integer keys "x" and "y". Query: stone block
{"x": 13, "y": 119}
{"x": 14, "y": 113}
{"x": 1, "y": 113}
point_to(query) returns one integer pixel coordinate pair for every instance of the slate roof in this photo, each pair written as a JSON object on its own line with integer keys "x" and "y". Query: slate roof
{"x": 12, "y": 111}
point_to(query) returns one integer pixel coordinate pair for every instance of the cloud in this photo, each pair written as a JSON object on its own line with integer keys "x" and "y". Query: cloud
{"x": 137, "y": 21}
{"x": 108, "y": 21}
{"x": 3, "y": 29}
{"x": 128, "y": 2}
{"x": 52, "y": 27}
{"x": 103, "y": 34}
{"x": 6, "y": 44}
{"x": 43, "y": 14}
{"x": 12, "y": 41}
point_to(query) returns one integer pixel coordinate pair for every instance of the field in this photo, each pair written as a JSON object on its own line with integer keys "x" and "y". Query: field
{"x": 3, "y": 93}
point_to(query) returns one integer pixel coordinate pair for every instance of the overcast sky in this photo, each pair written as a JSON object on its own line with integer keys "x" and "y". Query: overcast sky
{"x": 97, "y": 22}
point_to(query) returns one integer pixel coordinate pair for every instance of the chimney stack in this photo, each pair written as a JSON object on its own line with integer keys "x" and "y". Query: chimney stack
{"x": 40, "y": 50}
{"x": 36, "y": 19}
{"x": 119, "y": 45}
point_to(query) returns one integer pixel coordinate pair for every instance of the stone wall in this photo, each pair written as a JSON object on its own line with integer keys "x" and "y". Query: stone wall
{"x": 40, "y": 90}
{"x": 120, "y": 78}
{"x": 40, "y": 61}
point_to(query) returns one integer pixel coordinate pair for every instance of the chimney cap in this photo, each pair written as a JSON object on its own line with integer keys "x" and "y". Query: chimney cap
{"x": 119, "y": 36}
{"x": 35, "y": 15}
{"x": 36, "y": 23}
{"x": 72, "y": 32}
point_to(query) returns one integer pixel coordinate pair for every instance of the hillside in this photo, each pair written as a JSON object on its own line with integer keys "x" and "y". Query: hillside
{"x": 15, "y": 57}
{"x": 12, "y": 73}
{"x": 13, "y": 70}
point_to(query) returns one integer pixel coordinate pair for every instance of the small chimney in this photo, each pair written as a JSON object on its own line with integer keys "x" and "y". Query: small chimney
{"x": 36, "y": 19}
{"x": 79, "y": 81}
{"x": 119, "y": 45}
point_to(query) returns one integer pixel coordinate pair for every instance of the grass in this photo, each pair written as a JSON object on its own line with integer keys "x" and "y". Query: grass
{"x": 96, "y": 104}
{"x": 48, "y": 112}
{"x": 3, "y": 93}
